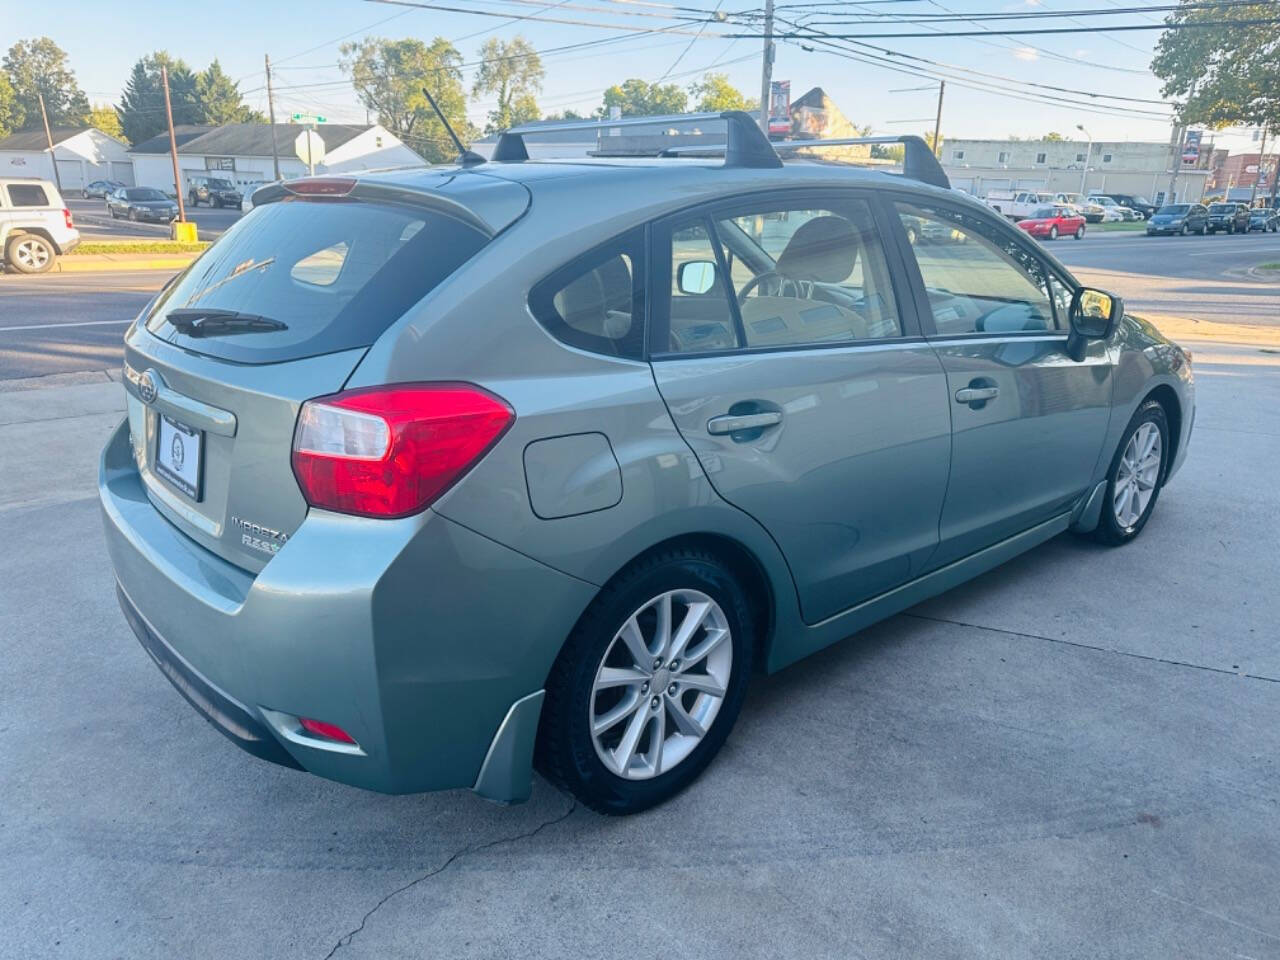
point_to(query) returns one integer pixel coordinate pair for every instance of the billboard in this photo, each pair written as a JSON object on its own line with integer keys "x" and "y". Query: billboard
{"x": 1191, "y": 147}
{"x": 780, "y": 108}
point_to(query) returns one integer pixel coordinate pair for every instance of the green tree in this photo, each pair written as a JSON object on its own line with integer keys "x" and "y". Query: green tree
{"x": 105, "y": 119}
{"x": 10, "y": 109}
{"x": 219, "y": 100}
{"x": 512, "y": 73}
{"x": 1054, "y": 137}
{"x": 1224, "y": 72}
{"x": 638, "y": 98}
{"x": 141, "y": 108}
{"x": 565, "y": 115}
{"x": 715, "y": 93}
{"x": 39, "y": 66}
{"x": 389, "y": 76}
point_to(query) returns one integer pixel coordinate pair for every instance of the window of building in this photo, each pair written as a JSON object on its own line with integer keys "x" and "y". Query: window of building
{"x": 957, "y": 154}
{"x": 1004, "y": 157}
{"x": 1040, "y": 158}
{"x": 1079, "y": 158}
{"x": 597, "y": 302}
{"x": 979, "y": 279}
{"x": 27, "y": 195}
{"x": 1106, "y": 158}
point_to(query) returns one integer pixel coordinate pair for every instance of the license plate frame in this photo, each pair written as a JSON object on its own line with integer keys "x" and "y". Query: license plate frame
{"x": 170, "y": 464}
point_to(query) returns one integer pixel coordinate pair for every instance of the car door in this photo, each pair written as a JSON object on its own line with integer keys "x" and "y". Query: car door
{"x": 789, "y": 356}
{"x": 1027, "y": 421}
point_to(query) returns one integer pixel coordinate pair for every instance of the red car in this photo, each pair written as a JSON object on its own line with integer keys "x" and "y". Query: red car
{"x": 1053, "y": 222}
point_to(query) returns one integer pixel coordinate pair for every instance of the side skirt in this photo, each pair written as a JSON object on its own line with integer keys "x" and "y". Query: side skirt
{"x": 879, "y": 608}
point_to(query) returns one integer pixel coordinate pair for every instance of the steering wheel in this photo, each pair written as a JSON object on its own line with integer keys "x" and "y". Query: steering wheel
{"x": 755, "y": 281}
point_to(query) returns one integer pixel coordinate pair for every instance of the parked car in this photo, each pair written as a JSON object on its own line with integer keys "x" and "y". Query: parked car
{"x": 98, "y": 189}
{"x": 1016, "y": 204}
{"x": 1180, "y": 218}
{"x": 1264, "y": 219}
{"x": 35, "y": 225}
{"x": 485, "y": 464}
{"x": 1091, "y": 211}
{"x": 142, "y": 203}
{"x": 1228, "y": 217}
{"x": 1115, "y": 212}
{"x": 1049, "y": 223}
{"x": 1135, "y": 202}
{"x": 215, "y": 191}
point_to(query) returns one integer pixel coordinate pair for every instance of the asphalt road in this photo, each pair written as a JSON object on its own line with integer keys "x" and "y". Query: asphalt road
{"x": 94, "y": 223}
{"x": 1073, "y": 757}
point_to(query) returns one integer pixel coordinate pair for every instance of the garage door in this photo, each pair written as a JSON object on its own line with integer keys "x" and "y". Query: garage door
{"x": 122, "y": 172}
{"x": 70, "y": 176}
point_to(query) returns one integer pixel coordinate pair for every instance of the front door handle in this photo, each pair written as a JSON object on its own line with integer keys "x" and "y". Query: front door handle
{"x": 977, "y": 394}
{"x": 733, "y": 423}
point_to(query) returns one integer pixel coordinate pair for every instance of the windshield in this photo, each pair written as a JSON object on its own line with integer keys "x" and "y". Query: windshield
{"x": 1172, "y": 209}
{"x": 1044, "y": 213}
{"x": 316, "y": 276}
{"x": 1222, "y": 208}
{"x": 144, "y": 193}
{"x": 220, "y": 184}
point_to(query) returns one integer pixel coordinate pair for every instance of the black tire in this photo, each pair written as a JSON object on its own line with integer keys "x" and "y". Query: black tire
{"x": 1184, "y": 231}
{"x": 1109, "y": 530}
{"x": 1201, "y": 231}
{"x": 1053, "y": 232}
{"x": 1079, "y": 234}
{"x": 133, "y": 215}
{"x": 566, "y": 753}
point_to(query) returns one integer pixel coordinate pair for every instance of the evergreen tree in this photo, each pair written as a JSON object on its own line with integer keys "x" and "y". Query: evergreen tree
{"x": 141, "y": 107}
{"x": 219, "y": 97}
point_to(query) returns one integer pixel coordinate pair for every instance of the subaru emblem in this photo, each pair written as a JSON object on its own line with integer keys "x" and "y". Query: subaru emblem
{"x": 147, "y": 388}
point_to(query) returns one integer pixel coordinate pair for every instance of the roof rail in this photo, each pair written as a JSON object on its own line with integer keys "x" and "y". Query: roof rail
{"x": 746, "y": 146}
{"x": 919, "y": 163}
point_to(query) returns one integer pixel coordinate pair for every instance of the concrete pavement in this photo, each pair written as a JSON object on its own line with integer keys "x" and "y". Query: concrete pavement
{"x": 1074, "y": 756}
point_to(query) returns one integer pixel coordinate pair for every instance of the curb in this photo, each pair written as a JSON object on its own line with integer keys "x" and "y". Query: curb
{"x": 74, "y": 264}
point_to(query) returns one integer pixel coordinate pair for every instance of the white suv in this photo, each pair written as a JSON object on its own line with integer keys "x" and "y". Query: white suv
{"x": 35, "y": 225}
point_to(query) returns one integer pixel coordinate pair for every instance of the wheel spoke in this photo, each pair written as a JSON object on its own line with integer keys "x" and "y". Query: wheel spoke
{"x": 683, "y": 722}
{"x": 610, "y": 718}
{"x": 626, "y": 748}
{"x": 662, "y": 634}
{"x": 693, "y": 619}
{"x": 715, "y": 636}
{"x": 620, "y": 677}
{"x": 657, "y": 740}
{"x": 631, "y": 635}
{"x": 702, "y": 682}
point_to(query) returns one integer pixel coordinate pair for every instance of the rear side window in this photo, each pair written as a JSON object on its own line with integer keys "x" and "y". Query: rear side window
{"x": 335, "y": 273}
{"x": 27, "y": 195}
{"x": 596, "y": 302}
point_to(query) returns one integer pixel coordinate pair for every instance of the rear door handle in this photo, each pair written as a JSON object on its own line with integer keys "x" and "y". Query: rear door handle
{"x": 976, "y": 394}
{"x": 732, "y": 423}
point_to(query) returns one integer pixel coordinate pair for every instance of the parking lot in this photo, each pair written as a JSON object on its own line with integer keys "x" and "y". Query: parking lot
{"x": 96, "y": 224}
{"x": 1073, "y": 756}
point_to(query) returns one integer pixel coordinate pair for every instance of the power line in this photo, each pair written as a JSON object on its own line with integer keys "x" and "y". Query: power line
{"x": 1187, "y": 25}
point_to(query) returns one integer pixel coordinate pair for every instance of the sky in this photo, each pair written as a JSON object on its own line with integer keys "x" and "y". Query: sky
{"x": 303, "y": 41}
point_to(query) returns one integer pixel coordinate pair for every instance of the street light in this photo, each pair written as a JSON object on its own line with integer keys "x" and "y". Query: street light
{"x": 1084, "y": 174}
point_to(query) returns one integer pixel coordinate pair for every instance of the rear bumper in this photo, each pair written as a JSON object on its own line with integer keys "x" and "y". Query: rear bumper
{"x": 416, "y": 636}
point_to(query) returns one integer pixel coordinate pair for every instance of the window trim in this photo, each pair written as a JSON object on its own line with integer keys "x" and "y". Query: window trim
{"x": 921, "y": 295}
{"x": 660, "y": 269}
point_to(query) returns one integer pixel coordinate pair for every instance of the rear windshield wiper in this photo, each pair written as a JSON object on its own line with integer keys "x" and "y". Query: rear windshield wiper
{"x": 206, "y": 322}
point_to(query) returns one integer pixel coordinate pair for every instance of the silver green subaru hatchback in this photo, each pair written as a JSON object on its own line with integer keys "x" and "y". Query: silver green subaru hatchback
{"x": 433, "y": 476}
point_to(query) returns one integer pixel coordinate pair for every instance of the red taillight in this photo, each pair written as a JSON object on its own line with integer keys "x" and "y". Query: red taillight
{"x": 66, "y": 215}
{"x": 329, "y": 731}
{"x": 321, "y": 186}
{"x": 391, "y": 451}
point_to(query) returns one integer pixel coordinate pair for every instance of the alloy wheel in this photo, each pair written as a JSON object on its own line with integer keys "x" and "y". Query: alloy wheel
{"x": 660, "y": 684}
{"x": 1137, "y": 475}
{"x": 32, "y": 255}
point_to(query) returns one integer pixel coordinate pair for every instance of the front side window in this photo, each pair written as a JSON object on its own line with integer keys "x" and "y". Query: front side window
{"x": 978, "y": 279}
{"x": 27, "y": 195}
{"x": 596, "y": 303}
{"x": 773, "y": 275}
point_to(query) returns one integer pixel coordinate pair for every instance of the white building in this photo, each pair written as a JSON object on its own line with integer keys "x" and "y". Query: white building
{"x": 1131, "y": 167}
{"x": 84, "y": 154}
{"x": 241, "y": 152}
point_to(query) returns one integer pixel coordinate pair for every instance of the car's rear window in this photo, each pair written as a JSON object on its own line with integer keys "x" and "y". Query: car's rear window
{"x": 1174, "y": 208}
{"x": 335, "y": 273}
{"x": 144, "y": 193}
{"x": 27, "y": 195}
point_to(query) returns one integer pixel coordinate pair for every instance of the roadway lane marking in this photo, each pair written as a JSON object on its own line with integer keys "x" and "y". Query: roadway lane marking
{"x": 54, "y": 326}
{"x": 1213, "y": 253}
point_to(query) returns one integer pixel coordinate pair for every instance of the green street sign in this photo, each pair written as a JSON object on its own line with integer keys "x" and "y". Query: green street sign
{"x": 306, "y": 118}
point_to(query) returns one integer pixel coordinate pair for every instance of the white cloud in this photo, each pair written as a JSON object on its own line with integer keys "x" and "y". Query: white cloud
{"x": 1026, "y": 53}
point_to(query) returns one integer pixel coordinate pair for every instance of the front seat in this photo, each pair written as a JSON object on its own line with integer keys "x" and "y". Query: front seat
{"x": 822, "y": 250}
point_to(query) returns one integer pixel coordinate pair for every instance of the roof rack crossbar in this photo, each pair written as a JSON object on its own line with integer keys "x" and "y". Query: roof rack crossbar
{"x": 918, "y": 160}
{"x": 746, "y": 145}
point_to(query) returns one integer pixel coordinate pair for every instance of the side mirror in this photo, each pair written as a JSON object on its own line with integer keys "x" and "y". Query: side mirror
{"x": 1094, "y": 315}
{"x": 696, "y": 276}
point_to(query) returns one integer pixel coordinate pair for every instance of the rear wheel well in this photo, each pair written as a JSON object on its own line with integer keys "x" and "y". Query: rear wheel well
{"x": 1168, "y": 399}
{"x": 37, "y": 231}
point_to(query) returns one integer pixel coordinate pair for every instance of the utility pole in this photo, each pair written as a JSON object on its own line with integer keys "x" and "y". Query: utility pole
{"x": 1175, "y": 153}
{"x": 937, "y": 123}
{"x": 49, "y": 136}
{"x": 271, "y": 113}
{"x": 766, "y": 67}
{"x": 173, "y": 144}
{"x": 1262, "y": 157}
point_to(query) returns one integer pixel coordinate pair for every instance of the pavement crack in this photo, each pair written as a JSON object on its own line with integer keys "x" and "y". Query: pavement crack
{"x": 346, "y": 938}
{"x": 1099, "y": 649}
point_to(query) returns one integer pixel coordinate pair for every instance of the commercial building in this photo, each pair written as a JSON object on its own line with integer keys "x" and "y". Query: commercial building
{"x": 83, "y": 154}
{"x": 1132, "y": 167}
{"x": 242, "y": 152}
{"x": 1236, "y": 176}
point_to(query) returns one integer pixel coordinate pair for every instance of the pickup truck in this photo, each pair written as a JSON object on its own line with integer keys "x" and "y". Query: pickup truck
{"x": 35, "y": 225}
{"x": 1016, "y": 204}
